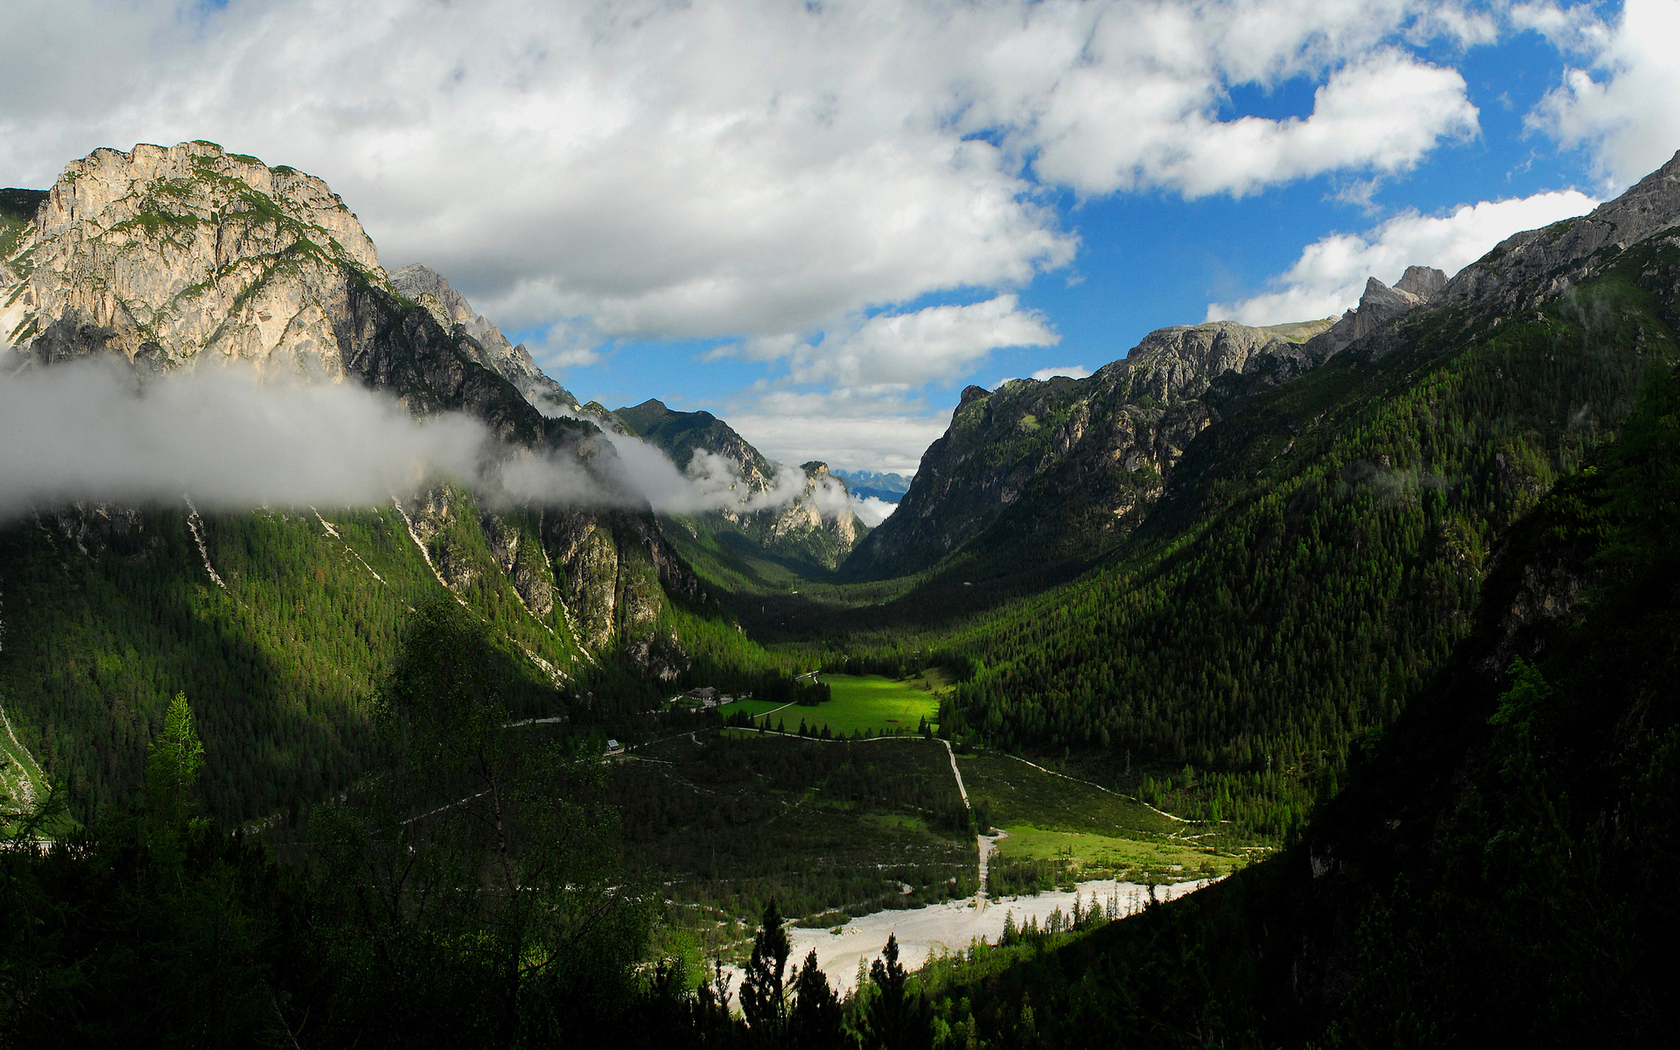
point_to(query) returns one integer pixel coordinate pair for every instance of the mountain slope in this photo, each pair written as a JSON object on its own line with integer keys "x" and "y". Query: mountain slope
{"x": 282, "y": 623}
{"x": 1037, "y": 472}
{"x": 1313, "y": 556}
{"x": 1496, "y": 871}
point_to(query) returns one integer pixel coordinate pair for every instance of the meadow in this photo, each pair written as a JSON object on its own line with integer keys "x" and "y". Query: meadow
{"x": 860, "y": 704}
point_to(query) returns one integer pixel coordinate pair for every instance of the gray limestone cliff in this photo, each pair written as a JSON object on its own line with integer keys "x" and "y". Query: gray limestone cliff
{"x": 483, "y": 341}
{"x": 1528, "y": 267}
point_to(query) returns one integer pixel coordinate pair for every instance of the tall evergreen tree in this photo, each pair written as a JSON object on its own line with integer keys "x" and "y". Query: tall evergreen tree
{"x": 814, "y": 1023}
{"x": 173, "y": 762}
{"x": 763, "y": 993}
{"x": 895, "y": 1017}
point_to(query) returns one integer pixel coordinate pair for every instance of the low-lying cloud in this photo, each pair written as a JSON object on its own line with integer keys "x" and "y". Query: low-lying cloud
{"x": 713, "y": 482}
{"x": 872, "y": 510}
{"x": 92, "y": 431}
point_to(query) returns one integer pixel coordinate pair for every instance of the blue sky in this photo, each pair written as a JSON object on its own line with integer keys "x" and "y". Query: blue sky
{"x": 822, "y": 221}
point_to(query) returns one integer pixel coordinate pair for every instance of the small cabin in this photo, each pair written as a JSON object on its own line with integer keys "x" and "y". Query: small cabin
{"x": 614, "y": 748}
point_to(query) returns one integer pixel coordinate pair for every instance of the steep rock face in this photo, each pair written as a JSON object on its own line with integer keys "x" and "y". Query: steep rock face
{"x": 1071, "y": 457}
{"x": 1063, "y": 467}
{"x": 483, "y": 341}
{"x": 1534, "y": 265}
{"x": 189, "y": 256}
{"x": 173, "y": 254}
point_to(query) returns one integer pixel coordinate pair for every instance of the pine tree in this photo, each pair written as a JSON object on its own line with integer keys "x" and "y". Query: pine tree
{"x": 763, "y": 995}
{"x": 173, "y": 762}
{"x": 814, "y": 1021}
{"x": 895, "y": 1017}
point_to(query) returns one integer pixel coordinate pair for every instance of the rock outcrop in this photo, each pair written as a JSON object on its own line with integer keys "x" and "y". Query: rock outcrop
{"x": 483, "y": 341}
{"x": 1535, "y": 265}
{"x": 1063, "y": 466}
{"x": 186, "y": 254}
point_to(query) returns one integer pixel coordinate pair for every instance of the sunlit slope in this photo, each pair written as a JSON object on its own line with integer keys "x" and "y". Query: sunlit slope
{"x": 108, "y": 615}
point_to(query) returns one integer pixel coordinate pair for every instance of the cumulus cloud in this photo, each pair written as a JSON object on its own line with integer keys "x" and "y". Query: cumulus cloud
{"x": 1331, "y": 273}
{"x": 909, "y": 349}
{"x": 1620, "y": 104}
{"x": 737, "y": 168}
{"x": 88, "y": 431}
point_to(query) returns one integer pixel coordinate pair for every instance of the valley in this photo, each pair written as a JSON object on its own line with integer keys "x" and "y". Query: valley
{"x": 1290, "y": 625}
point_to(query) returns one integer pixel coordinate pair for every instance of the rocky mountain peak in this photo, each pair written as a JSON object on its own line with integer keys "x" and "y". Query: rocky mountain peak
{"x": 1421, "y": 281}
{"x": 1536, "y": 264}
{"x": 172, "y": 253}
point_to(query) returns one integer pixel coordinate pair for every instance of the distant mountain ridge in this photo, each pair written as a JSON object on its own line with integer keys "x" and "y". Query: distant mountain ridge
{"x": 871, "y": 484}
{"x": 812, "y": 523}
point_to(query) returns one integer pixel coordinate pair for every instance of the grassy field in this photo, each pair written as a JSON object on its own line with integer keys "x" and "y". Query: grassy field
{"x": 861, "y": 704}
{"x": 1061, "y": 830}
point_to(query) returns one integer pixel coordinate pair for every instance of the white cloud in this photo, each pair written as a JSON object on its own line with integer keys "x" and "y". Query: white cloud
{"x": 845, "y": 428}
{"x": 909, "y": 349}
{"x": 1071, "y": 371}
{"x": 1382, "y": 112}
{"x": 84, "y": 430}
{"x": 1331, "y": 273}
{"x": 872, "y": 510}
{"x": 735, "y": 168}
{"x": 1621, "y": 106}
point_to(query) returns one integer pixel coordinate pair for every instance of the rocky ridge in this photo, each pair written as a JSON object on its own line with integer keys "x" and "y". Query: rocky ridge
{"x": 484, "y": 342}
{"x": 1066, "y": 466}
{"x": 1529, "y": 267}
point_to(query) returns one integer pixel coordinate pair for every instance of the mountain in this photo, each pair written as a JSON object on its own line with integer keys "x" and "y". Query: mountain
{"x": 475, "y": 334}
{"x": 1496, "y": 869}
{"x": 1062, "y": 468}
{"x": 281, "y": 622}
{"x": 801, "y": 520}
{"x": 869, "y": 484}
{"x": 1314, "y": 555}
